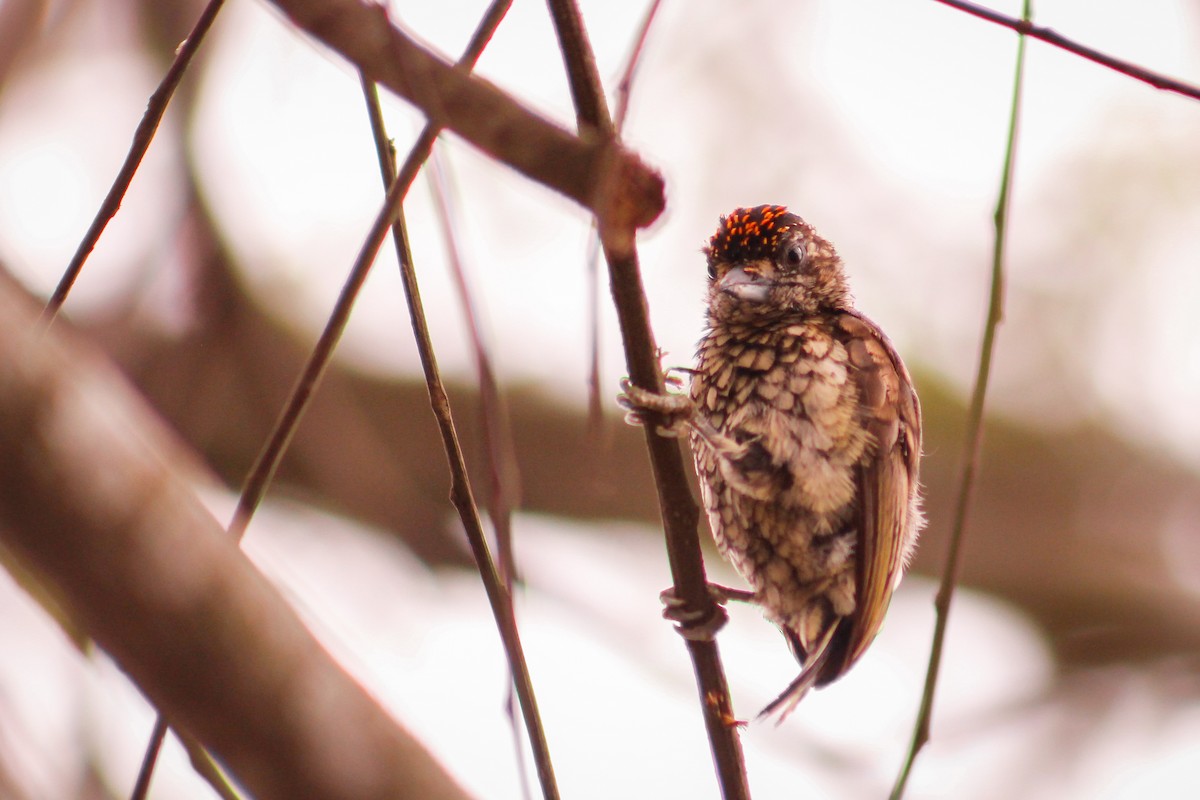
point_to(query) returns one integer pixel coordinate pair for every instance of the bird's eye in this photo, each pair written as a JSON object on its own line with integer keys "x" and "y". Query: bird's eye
{"x": 793, "y": 256}
{"x": 712, "y": 270}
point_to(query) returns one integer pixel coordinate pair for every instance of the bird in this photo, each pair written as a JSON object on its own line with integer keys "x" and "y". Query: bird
{"x": 805, "y": 429}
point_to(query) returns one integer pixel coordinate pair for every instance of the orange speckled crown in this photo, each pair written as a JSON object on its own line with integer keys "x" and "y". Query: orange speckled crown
{"x": 748, "y": 234}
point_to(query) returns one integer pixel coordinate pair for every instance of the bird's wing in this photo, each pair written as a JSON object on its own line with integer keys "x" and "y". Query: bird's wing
{"x": 889, "y": 517}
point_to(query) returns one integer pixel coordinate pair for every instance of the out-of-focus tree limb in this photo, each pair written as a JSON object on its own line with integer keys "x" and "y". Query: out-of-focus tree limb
{"x": 19, "y": 23}
{"x": 589, "y": 168}
{"x": 95, "y": 497}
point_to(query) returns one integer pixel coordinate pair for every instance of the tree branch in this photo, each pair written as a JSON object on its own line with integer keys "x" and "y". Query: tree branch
{"x": 142, "y": 137}
{"x": 95, "y": 497}
{"x": 461, "y": 495}
{"x": 680, "y": 514}
{"x": 1053, "y": 37}
{"x": 589, "y": 169}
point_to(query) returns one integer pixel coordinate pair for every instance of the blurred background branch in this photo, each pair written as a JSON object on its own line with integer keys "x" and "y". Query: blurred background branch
{"x": 220, "y": 384}
{"x": 97, "y": 499}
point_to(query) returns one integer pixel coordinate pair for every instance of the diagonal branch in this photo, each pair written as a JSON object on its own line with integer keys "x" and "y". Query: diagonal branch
{"x": 262, "y": 472}
{"x": 142, "y": 137}
{"x": 503, "y": 493}
{"x": 1053, "y": 37}
{"x": 96, "y": 496}
{"x": 461, "y": 495}
{"x": 589, "y": 169}
{"x": 679, "y": 511}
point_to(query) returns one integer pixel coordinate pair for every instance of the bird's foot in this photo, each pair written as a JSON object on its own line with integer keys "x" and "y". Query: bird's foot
{"x": 701, "y": 624}
{"x": 675, "y": 410}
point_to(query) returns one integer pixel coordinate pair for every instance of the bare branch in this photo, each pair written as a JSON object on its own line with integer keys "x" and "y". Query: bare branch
{"x": 503, "y": 471}
{"x": 267, "y": 462}
{"x": 158, "y": 735}
{"x": 142, "y": 137}
{"x": 1050, "y": 36}
{"x": 589, "y": 169}
{"x": 461, "y": 495}
{"x": 679, "y": 511}
{"x": 95, "y": 496}
{"x": 624, "y": 90}
{"x": 625, "y": 87}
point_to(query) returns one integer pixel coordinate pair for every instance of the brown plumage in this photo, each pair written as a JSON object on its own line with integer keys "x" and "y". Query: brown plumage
{"x": 806, "y": 432}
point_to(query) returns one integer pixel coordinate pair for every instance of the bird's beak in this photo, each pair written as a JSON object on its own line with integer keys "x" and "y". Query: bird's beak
{"x": 749, "y": 287}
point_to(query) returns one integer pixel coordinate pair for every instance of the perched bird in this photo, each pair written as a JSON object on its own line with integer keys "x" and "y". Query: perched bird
{"x": 806, "y": 433}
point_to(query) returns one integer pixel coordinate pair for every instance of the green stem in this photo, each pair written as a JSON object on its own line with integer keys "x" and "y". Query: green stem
{"x": 974, "y": 439}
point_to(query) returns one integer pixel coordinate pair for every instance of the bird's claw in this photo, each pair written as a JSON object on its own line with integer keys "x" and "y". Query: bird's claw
{"x": 701, "y": 625}
{"x": 639, "y": 404}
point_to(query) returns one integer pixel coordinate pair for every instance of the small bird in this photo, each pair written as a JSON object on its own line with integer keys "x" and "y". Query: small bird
{"x": 806, "y": 433}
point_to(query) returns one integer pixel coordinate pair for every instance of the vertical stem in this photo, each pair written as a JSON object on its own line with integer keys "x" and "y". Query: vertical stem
{"x": 679, "y": 511}
{"x": 974, "y": 439}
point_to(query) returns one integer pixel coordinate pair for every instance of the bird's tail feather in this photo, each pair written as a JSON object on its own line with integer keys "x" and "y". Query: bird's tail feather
{"x": 790, "y": 697}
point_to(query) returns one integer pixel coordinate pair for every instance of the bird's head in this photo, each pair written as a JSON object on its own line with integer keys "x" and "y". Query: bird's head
{"x": 766, "y": 262}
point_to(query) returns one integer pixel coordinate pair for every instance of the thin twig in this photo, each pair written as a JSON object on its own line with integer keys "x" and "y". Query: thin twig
{"x": 595, "y": 403}
{"x": 142, "y": 137}
{"x": 503, "y": 489}
{"x": 149, "y": 759}
{"x": 1050, "y": 36}
{"x": 461, "y": 494}
{"x": 264, "y": 467}
{"x": 503, "y": 470}
{"x": 202, "y": 762}
{"x": 974, "y": 438}
{"x": 498, "y": 590}
{"x": 624, "y": 91}
{"x": 625, "y": 86}
{"x": 497, "y": 584}
{"x": 679, "y": 511}
{"x": 263, "y": 470}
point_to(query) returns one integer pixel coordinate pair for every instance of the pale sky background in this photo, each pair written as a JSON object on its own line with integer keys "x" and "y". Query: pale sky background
{"x": 881, "y": 122}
